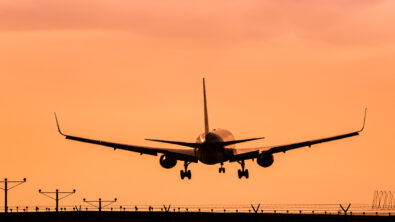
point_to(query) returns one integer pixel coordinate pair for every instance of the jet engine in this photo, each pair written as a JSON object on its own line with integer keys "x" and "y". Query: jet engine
{"x": 167, "y": 162}
{"x": 265, "y": 159}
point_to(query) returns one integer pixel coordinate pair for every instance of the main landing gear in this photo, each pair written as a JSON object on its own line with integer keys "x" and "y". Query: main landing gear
{"x": 243, "y": 172}
{"x": 221, "y": 169}
{"x": 186, "y": 173}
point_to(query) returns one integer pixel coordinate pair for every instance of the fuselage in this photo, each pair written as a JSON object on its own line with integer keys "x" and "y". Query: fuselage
{"x": 212, "y": 153}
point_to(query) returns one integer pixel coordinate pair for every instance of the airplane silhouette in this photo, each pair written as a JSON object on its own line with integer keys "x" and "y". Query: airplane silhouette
{"x": 212, "y": 147}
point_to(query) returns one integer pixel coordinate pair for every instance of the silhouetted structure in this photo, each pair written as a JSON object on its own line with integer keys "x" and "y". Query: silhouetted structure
{"x": 383, "y": 200}
{"x": 121, "y": 216}
{"x": 56, "y": 198}
{"x": 345, "y": 210}
{"x": 211, "y": 147}
{"x": 6, "y": 189}
{"x": 100, "y": 201}
{"x": 255, "y": 209}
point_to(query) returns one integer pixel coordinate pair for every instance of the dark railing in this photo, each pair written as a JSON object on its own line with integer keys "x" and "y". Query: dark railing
{"x": 319, "y": 209}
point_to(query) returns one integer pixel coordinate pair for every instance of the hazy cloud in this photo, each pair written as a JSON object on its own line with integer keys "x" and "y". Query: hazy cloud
{"x": 334, "y": 21}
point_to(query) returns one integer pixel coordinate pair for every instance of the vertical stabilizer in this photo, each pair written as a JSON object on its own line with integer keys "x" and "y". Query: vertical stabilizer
{"x": 206, "y": 128}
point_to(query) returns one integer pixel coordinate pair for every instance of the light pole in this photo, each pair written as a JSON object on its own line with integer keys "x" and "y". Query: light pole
{"x": 6, "y": 189}
{"x": 56, "y": 198}
{"x": 100, "y": 201}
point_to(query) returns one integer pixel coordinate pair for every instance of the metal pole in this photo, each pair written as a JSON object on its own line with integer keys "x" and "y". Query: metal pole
{"x": 6, "y": 188}
{"x": 5, "y": 196}
{"x": 59, "y": 195}
{"x": 100, "y": 201}
{"x": 57, "y": 200}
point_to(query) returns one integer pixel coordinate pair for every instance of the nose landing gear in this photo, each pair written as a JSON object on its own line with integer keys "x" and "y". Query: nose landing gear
{"x": 221, "y": 169}
{"x": 243, "y": 172}
{"x": 186, "y": 173}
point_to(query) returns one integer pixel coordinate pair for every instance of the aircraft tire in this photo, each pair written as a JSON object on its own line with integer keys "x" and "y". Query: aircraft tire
{"x": 246, "y": 174}
{"x": 239, "y": 173}
{"x": 189, "y": 174}
{"x": 182, "y": 174}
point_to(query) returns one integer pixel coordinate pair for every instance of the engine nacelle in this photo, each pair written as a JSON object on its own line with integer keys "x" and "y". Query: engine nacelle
{"x": 167, "y": 162}
{"x": 265, "y": 159}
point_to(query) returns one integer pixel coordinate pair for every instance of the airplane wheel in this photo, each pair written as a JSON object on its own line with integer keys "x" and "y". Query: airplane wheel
{"x": 189, "y": 174}
{"x": 182, "y": 174}
{"x": 219, "y": 170}
{"x": 246, "y": 174}
{"x": 223, "y": 170}
{"x": 239, "y": 173}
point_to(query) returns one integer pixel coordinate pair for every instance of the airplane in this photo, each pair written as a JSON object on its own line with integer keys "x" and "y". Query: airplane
{"x": 212, "y": 147}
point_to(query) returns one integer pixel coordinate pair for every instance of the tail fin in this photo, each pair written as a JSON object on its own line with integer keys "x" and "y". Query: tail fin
{"x": 206, "y": 128}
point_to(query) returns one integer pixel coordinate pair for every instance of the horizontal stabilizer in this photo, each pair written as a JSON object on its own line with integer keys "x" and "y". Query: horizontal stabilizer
{"x": 227, "y": 143}
{"x": 197, "y": 145}
{"x": 192, "y": 145}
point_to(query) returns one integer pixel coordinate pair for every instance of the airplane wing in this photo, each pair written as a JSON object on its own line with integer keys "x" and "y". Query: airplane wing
{"x": 250, "y": 153}
{"x": 179, "y": 154}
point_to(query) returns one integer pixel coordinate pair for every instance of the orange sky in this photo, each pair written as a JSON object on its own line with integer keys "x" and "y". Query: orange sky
{"x": 123, "y": 71}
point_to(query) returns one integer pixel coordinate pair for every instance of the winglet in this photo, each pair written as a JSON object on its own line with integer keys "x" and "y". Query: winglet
{"x": 57, "y": 123}
{"x": 364, "y": 120}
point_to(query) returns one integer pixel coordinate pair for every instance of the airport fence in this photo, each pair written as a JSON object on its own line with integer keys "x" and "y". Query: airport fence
{"x": 323, "y": 209}
{"x": 383, "y": 200}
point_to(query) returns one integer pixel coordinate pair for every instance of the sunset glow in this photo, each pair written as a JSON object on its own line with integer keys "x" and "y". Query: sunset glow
{"x": 124, "y": 71}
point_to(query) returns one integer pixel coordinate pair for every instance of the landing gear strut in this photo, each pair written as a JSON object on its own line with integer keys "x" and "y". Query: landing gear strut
{"x": 243, "y": 172}
{"x": 186, "y": 173}
{"x": 221, "y": 169}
